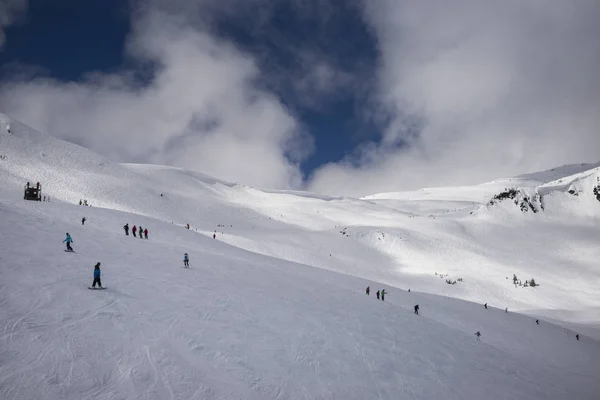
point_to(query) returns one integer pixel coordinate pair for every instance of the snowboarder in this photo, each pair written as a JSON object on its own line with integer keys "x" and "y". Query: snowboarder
{"x": 126, "y": 227}
{"x": 368, "y": 290}
{"x": 416, "y": 309}
{"x": 383, "y": 292}
{"x": 146, "y": 233}
{"x": 83, "y": 221}
{"x": 186, "y": 260}
{"x": 97, "y": 276}
{"x": 478, "y": 334}
{"x": 377, "y": 295}
{"x": 68, "y": 240}
{"x": 133, "y": 230}
{"x": 485, "y": 305}
{"x": 537, "y": 321}
{"x": 577, "y": 336}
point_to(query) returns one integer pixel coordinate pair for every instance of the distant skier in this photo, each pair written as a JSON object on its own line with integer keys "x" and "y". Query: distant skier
{"x": 368, "y": 290}
{"x": 416, "y": 309}
{"x": 478, "y": 334}
{"x": 133, "y": 230}
{"x": 126, "y": 228}
{"x": 146, "y": 233}
{"x": 97, "y": 276}
{"x": 506, "y": 310}
{"x": 485, "y": 305}
{"x": 186, "y": 260}
{"x": 383, "y": 292}
{"x": 537, "y": 321}
{"x": 141, "y": 232}
{"x": 214, "y": 235}
{"x": 577, "y": 336}
{"x": 83, "y": 220}
{"x": 80, "y": 202}
{"x": 68, "y": 240}
{"x": 377, "y": 295}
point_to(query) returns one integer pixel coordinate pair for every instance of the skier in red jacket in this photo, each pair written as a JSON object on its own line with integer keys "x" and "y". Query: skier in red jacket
{"x": 134, "y": 230}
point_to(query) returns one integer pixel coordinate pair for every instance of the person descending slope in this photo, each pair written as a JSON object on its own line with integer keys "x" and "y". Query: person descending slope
{"x": 186, "y": 260}
{"x": 83, "y": 220}
{"x": 126, "y": 228}
{"x": 416, "y": 309}
{"x": 368, "y": 290}
{"x": 97, "y": 276}
{"x": 68, "y": 240}
{"x": 478, "y": 334}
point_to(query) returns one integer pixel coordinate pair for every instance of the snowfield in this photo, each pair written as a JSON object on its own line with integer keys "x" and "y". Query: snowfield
{"x": 275, "y": 306}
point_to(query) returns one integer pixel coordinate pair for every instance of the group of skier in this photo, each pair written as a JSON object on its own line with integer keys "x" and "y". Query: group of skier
{"x": 143, "y": 232}
{"x": 381, "y": 295}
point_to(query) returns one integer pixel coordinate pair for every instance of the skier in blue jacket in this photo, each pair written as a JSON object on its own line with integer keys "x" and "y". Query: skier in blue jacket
{"x": 186, "y": 260}
{"x": 97, "y": 276}
{"x": 68, "y": 240}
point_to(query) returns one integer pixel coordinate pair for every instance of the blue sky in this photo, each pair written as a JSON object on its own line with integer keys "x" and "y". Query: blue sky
{"x": 336, "y": 96}
{"x": 92, "y": 36}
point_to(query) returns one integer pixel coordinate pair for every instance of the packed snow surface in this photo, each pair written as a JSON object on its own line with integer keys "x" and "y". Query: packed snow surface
{"x": 275, "y": 306}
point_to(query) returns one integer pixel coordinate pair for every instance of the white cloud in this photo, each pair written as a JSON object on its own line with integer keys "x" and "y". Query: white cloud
{"x": 200, "y": 111}
{"x": 501, "y": 88}
{"x": 11, "y": 11}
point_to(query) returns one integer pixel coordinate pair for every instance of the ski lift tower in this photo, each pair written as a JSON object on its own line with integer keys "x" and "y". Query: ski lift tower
{"x": 33, "y": 192}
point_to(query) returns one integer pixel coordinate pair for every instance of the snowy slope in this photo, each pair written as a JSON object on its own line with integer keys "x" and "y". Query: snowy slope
{"x": 239, "y": 325}
{"x": 252, "y": 319}
{"x": 401, "y": 239}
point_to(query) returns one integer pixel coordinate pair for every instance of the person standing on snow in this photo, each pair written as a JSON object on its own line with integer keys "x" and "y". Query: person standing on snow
{"x": 383, "y": 292}
{"x": 377, "y": 295}
{"x": 417, "y": 309}
{"x": 97, "y": 276}
{"x": 126, "y": 227}
{"x": 133, "y": 230}
{"x": 186, "y": 260}
{"x": 83, "y": 220}
{"x": 478, "y": 334}
{"x": 68, "y": 240}
{"x": 141, "y": 232}
{"x": 368, "y": 290}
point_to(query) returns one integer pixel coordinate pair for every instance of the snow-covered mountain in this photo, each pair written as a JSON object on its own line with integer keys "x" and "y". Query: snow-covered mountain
{"x": 253, "y": 318}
